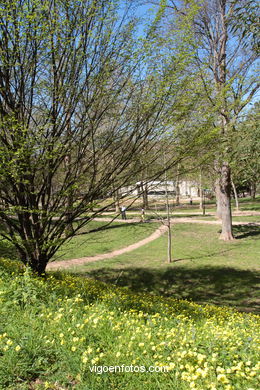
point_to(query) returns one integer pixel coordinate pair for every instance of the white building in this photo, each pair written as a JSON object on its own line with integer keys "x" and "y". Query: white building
{"x": 187, "y": 188}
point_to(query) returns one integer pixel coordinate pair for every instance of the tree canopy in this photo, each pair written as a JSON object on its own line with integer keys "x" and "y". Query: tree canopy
{"x": 80, "y": 98}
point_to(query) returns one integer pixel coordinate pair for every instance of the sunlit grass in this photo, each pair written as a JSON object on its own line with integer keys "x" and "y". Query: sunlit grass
{"x": 52, "y": 331}
{"x": 114, "y": 236}
{"x": 204, "y": 268}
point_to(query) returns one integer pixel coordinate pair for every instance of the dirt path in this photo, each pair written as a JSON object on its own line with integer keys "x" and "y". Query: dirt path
{"x": 239, "y": 213}
{"x": 75, "y": 262}
{"x": 161, "y": 230}
{"x": 217, "y": 222}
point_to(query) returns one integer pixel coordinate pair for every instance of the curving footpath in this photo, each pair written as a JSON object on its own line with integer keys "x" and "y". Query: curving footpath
{"x": 56, "y": 265}
{"x": 75, "y": 262}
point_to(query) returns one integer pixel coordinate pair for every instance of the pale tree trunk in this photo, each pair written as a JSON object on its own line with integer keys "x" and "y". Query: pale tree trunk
{"x": 177, "y": 199}
{"x": 144, "y": 191}
{"x": 253, "y": 190}
{"x": 169, "y": 249}
{"x": 235, "y": 195}
{"x": 200, "y": 191}
{"x": 169, "y": 257}
{"x": 220, "y": 75}
{"x": 225, "y": 197}
{"x": 116, "y": 199}
{"x": 169, "y": 246}
{"x": 218, "y": 201}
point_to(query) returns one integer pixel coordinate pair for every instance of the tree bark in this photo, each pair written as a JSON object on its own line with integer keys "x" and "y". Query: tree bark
{"x": 145, "y": 197}
{"x": 116, "y": 201}
{"x": 36, "y": 261}
{"x": 144, "y": 191}
{"x": 225, "y": 196}
{"x": 200, "y": 192}
{"x": 177, "y": 199}
{"x": 219, "y": 57}
{"x": 253, "y": 190}
{"x": 235, "y": 195}
{"x": 218, "y": 199}
{"x": 69, "y": 201}
{"x": 169, "y": 249}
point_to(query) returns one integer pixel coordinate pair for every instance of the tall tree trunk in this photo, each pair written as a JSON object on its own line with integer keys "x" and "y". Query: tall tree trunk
{"x": 116, "y": 201}
{"x": 169, "y": 249}
{"x": 145, "y": 197}
{"x": 253, "y": 190}
{"x": 235, "y": 195}
{"x": 37, "y": 262}
{"x": 144, "y": 191}
{"x": 169, "y": 256}
{"x": 218, "y": 199}
{"x": 200, "y": 190}
{"x": 177, "y": 199}
{"x": 225, "y": 197}
{"x": 69, "y": 201}
{"x": 220, "y": 75}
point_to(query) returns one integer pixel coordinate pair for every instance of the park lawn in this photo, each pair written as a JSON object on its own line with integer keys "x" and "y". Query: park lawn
{"x": 235, "y": 218}
{"x": 248, "y": 204}
{"x": 162, "y": 216}
{"x": 114, "y": 236}
{"x": 157, "y": 208}
{"x": 204, "y": 268}
{"x": 249, "y": 218}
{"x": 255, "y": 206}
{"x": 55, "y": 331}
{"x": 245, "y": 204}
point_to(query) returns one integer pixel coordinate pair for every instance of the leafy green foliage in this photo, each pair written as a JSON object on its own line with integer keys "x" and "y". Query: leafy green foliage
{"x": 71, "y": 324}
{"x": 80, "y": 101}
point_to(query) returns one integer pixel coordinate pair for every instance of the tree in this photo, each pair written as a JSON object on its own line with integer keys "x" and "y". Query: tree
{"x": 79, "y": 99}
{"x": 226, "y": 55}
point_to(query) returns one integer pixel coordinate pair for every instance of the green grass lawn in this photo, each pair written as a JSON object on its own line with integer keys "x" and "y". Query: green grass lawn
{"x": 249, "y": 218}
{"x": 54, "y": 330}
{"x": 159, "y": 216}
{"x": 58, "y": 332}
{"x": 243, "y": 218}
{"x": 90, "y": 242}
{"x": 245, "y": 204}
{"x": 113, "y": 236}
{"x": 204, "y": 269}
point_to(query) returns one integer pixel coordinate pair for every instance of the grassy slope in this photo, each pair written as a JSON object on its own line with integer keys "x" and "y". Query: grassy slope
{"x": 115, "y": 236}
{"x": 205, "y": 269}
{"x": 52, "y": 331}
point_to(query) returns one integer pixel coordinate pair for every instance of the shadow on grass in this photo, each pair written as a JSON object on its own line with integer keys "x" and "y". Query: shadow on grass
{"x": 208, "y": 285}
{"x": 253, "y": 206}
{"x": 244, "y": 231}
{"x": 204, "y": 256}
